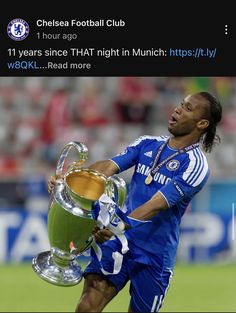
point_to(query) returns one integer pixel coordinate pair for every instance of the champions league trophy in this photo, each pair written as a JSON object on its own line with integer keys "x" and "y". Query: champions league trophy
{"x": 70, "y": 221}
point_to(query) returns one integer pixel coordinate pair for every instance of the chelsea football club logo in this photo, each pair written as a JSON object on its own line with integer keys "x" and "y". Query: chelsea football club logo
{"x": 18, "y": 29}
{"x": 172, "y": 165}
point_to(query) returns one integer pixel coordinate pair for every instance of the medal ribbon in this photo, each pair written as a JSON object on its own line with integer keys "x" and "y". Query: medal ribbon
{"x": 155, "y": 168}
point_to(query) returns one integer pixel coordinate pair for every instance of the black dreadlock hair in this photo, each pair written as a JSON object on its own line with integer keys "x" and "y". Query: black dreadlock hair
{"x": 213, "y": 114}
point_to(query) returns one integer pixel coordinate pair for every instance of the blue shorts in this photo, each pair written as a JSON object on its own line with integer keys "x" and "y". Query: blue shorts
{"x": 148, "y": 284}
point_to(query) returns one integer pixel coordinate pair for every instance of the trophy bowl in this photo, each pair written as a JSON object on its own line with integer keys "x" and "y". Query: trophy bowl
{"x": 70, "y": 221}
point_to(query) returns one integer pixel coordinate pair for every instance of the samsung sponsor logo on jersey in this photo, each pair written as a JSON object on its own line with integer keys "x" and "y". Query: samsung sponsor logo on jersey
{"x": 160, "y": 178}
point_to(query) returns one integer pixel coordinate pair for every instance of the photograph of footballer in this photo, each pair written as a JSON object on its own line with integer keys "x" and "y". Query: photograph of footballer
{"x": 169, "y": 170}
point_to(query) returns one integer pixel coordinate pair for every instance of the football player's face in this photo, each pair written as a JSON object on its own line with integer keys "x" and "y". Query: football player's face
{"x": 187, "y": 116}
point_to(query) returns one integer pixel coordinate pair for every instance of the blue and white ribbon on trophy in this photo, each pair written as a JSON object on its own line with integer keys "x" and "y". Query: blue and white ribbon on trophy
{"x": 110, "y": 216}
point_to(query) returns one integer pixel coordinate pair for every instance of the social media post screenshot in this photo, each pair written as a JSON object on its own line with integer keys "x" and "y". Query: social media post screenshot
{"x": 115, "y": 44}
{"x": 117, "y": 161}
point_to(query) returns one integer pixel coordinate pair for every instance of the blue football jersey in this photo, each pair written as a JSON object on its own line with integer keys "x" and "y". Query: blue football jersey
{"x": 178, "y": 180}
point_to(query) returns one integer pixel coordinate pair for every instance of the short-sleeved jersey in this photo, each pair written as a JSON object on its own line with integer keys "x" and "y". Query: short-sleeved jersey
{"x": 178, "y": 180}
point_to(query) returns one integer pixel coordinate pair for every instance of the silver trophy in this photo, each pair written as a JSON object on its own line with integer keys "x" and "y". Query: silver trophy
{"x": 70, "y": 221}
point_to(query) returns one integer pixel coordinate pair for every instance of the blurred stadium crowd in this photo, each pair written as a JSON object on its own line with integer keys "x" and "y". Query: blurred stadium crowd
{"x": 39, "y": 115}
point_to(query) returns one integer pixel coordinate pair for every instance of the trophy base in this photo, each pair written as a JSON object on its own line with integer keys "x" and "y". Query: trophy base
{"x": 44, "y": 265}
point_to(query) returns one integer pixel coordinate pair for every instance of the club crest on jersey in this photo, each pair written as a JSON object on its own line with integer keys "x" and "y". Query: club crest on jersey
{"x": 172, "y": 165}
{"x": 18, "y": 29}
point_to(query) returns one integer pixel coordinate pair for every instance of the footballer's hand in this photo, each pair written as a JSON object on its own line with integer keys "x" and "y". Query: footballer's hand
{"x": 51, "y": 182}
{"x": 102, "y": 235}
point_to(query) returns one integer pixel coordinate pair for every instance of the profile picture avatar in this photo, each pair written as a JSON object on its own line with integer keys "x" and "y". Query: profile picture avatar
{"x": 18, "y": 29}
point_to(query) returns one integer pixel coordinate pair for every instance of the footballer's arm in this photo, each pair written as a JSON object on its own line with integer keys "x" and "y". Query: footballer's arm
{"x": 150, "y": 208}
{"x": 106, "y": 167}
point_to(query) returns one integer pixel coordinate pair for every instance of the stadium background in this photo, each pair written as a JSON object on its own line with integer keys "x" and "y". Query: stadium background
{"x": 39, "y": 115}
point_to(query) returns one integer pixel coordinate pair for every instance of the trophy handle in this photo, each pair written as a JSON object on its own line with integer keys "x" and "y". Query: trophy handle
{"x": 80, "y": 148}
{"x": 116, "y": 189}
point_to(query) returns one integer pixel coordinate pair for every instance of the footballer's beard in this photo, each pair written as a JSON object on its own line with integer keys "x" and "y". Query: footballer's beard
{"x": 177, "y": 132}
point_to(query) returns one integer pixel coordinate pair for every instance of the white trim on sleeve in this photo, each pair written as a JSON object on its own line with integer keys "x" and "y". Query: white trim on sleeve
{"x": 165, "y": 198}
{"x": 115, "y": 164}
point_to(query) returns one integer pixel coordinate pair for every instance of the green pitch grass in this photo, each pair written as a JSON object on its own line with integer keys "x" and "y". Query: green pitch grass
{"x": 194, "y": 288}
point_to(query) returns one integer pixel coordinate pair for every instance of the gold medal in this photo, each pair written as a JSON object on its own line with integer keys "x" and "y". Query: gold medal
{"x": 148, "y": 180}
